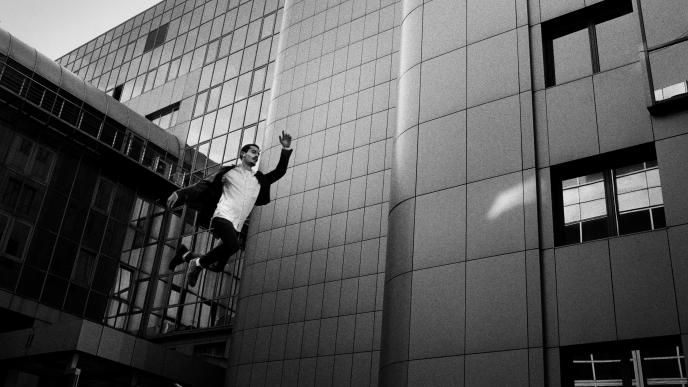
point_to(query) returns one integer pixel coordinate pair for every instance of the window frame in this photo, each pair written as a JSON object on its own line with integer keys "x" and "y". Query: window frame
{"x": 606, "y": 164}
{"x": 4, "y": 238}
{"x": 156, "y": 37}
{"x": 584, "y": 18}
{"x": 626, "y": 353}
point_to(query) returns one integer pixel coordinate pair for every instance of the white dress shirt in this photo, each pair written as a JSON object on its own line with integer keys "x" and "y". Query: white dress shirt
{"x": 240, "y": 190}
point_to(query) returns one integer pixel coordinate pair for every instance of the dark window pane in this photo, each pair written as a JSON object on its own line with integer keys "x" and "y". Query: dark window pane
{"x": 63, "y": 258}
{"x": 29, "y": 201}
{"x": 31, "y": 282}
{"x": 85, "y": 182}
{"x": 54, "y": 292}
{"x": 51, "y": 213}
{"x": 121, "y": 207}
{"x": 10, "y": 193}
{"x": 114, "y": 237}
{"x": 634, "y": 222}
{"x": 9, "y": 273}
{"x": 658, "y": 217}
{"x": 610, "y": 369}
{"x": 41, "y": 248}
{"x": 64, "y": 172}
{"x": 112, "y": 134}
{"x": 76, "y": 300}
{"x": 18, "y": 239}
{"x": 19, "y": 153}
{"x": 594, "y": 229}
{"x": 105, "y": 274}
{"x": 4, "y": 222}
{"x": 150, "y": 41}
{"x": 83, "y": 270}
{"x": 135, "y": 149}
{"x": 42, "y": 163}
{"x": 74, "y": 220}
{"x": 161, "y": 35}
{"x": 95, "y": 309}
{"x": 101, "y": 201}
{"x": 6, "y": 140}
{"x": 580, "y": 370}
{"x": 571, "y": 234}
{"x": 93, "y": 233}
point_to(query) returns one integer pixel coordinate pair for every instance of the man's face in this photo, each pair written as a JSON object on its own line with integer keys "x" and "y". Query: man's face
{"x": 250, "y": 157}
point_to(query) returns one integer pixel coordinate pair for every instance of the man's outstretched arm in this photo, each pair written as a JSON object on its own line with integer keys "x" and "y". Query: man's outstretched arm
{"x": 281, "y": 168}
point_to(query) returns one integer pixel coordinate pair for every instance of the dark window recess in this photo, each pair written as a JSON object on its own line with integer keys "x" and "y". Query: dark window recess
{"x": 611, "y": 194}
{"x": 570, "y": 41}
{"x": 83, "y": 270}
{"x": 117, "y": 92}
{"x": 91, "y": 121}
{"x": 17, "y": 240}
{"x": 156, "y": 37}
{"x": 54, "y": 292}
{"x": 30, "y": 282}
{"x": 165, "y": 117}
{"x": 647, "y": 362}
{"x": 103, "y": 195}
{"x": 9, "y": 273}
{"x": 30, "y": 159}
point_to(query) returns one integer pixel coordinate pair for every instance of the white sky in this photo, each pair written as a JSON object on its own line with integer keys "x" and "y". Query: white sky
{"x": 55, "y": 27}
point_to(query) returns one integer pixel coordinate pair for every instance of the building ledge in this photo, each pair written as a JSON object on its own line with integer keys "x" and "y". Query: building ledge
{"x": 669, "y": 106}
{"x": 107, "y": 345}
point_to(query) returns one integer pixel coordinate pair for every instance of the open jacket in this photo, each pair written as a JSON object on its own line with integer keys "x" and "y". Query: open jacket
{"x": 204, "y": 195}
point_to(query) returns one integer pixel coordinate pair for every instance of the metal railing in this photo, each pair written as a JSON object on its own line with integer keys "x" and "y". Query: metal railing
{"x": 57, "y": 104}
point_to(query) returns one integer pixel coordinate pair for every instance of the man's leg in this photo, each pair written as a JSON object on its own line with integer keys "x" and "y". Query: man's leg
{"x": 180, "y": 256}
{"x": 229, "y": 244}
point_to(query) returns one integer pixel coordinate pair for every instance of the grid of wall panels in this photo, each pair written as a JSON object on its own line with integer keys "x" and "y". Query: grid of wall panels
{"x": 310, "y": 304}
{"x": 463, "y": 217}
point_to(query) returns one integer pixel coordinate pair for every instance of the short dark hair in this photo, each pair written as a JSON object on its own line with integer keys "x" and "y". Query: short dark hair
{"x": 246, "y": 147}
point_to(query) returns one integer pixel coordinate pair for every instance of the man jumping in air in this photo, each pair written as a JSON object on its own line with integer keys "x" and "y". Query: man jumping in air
{"x": 227, "y": 198}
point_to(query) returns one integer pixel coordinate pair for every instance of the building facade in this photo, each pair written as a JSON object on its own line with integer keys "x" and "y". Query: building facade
{"x": 482, "y": 193}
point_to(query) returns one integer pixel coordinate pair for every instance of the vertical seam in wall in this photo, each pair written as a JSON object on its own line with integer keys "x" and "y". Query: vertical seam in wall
{"x": 523, "y": 190}
{"x": 350, "y": 179}
{"x": 611, "y": 283}
{"x": 421, "y": 10}
{"x": 358, "y": 277}
{"x": 673, "y": 278}
{"x": 556, "y": 296}
{"x": 465, "y": 247}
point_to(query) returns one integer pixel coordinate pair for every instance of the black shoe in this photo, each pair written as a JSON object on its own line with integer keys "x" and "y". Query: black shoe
{"x": 178, "y": 258}
{"x": 195, "y": 270}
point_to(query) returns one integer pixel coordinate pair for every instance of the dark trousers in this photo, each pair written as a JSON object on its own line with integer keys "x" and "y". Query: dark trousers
{"x": 216, "y": 258}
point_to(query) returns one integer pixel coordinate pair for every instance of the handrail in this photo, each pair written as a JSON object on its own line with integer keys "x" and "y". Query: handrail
{"x": 17, "y": 80}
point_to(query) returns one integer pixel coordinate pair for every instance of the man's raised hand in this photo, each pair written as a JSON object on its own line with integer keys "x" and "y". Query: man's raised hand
{"x": 285, "y": 139}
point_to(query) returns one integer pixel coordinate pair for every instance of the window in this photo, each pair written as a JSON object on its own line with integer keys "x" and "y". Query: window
{"x": 14, "y": 237}
{"x": 571, "y": 42}
{"x": 117, "y": 92}
{"x": 612, "y": 194}
{"x": 83, "y": 270}
{"x": 156, "y": 37}
{"x": 30, "y": 159}
{"x": 103, "y": 195}
{"x": 165, "y": 117}
{"x": 649, "y": 362}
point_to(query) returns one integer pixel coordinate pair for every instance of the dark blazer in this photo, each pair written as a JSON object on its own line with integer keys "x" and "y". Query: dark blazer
{"x": 204, "y": 195}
